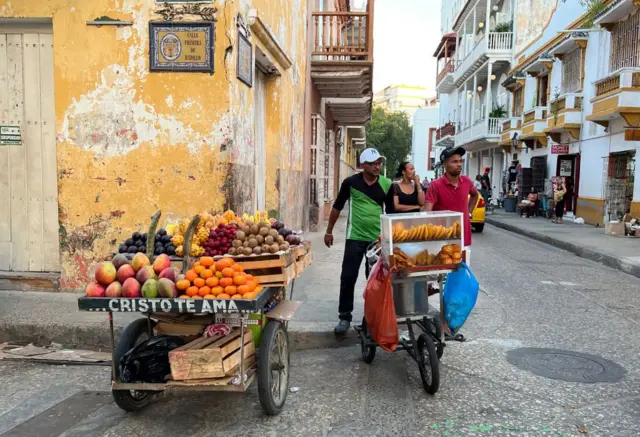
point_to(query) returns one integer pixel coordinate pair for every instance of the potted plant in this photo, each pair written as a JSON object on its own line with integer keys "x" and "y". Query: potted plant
{"x": 498, "y": 111}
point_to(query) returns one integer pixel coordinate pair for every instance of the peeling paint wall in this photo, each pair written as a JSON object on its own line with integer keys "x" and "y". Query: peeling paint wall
{"x": 130, "y": 141}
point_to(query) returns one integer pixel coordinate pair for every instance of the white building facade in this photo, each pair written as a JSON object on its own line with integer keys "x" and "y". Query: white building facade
{"x": 568, "y": 80}
{"x": 423, "y": 150}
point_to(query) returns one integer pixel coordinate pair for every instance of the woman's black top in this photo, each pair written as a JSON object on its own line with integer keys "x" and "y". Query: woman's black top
{"x": 406, "y": 199}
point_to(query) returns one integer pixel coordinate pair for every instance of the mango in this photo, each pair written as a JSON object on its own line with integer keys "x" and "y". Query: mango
{"x": 114, "y": 290}
{"x": 139, "y": 261}
{"x": 161, "y": 262}
{"x": 167, "y": 288}
{"x": 146, "y": 273}
{"x": 95, "y": 290}
{"x": 131, "y": 288}
{"x": 150, "y": 289}
{"x": 125, "y": 272}
{"x": 105, "y": 273}
{"x": 168, "y": 273}
{"x": 119, "y": 260}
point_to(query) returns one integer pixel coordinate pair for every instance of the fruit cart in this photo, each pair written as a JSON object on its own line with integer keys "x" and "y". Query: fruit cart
{"x": 419, "y": 250}
{"x": 230, "y": 355}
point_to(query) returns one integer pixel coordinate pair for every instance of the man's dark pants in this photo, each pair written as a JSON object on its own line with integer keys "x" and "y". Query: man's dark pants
{"x": 354, "y": 251}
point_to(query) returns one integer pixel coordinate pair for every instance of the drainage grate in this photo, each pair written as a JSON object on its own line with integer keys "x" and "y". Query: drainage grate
{"x": 566, "y": 365}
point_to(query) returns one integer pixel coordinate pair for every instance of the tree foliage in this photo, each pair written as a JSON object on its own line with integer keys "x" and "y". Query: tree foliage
{"x": 390, "y": 133}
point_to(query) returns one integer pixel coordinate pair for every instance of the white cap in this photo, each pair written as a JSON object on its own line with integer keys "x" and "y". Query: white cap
{"x": 369, "y": 156}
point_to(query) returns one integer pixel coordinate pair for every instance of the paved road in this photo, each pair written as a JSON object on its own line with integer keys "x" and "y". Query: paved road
{"x": 533, "y": 296}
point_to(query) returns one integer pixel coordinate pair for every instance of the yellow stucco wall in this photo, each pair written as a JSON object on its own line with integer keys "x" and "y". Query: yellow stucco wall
{"x": 130, "y": 141}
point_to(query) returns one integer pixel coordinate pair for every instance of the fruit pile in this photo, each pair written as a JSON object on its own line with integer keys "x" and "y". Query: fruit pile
{"x": 119, "y": 278}
{"x": 138, "y": 244}
{"x": 257, "y": 239}
{"x": 218, "y": 241}
{"x": 222, "y": 279}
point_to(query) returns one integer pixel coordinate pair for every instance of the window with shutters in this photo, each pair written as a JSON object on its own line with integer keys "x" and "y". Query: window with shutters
{"x": 571, "y": 71}
{"x": 517, "y": 102}
{"x": 625, "y": 43}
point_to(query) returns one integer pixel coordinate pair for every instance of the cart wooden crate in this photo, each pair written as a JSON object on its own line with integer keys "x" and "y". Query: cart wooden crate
{"x": 214, "y": 357}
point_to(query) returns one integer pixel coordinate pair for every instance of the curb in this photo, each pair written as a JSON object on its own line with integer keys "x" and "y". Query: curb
{"x": 583, "y": 252}
{"x": 97, "y": 337}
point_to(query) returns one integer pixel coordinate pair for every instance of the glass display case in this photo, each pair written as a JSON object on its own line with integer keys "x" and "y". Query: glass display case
{"x": 422, "y": 241}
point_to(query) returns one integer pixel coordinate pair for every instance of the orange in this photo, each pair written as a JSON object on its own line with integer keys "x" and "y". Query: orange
{"x": 183, "y": 284}
{"x": 222, "y": 264}
{"x": 199, "y": 282}
{"x": 206, "y": 261}
{"x": 231, "y": 261}
{"x": 250, "y": 295}
{"x": 192, "y": 291}
{"x": 230, "y": 290}
{"x": 190, "y": 275}
{"x": 243, "y": 289}
{"x": 195, "y": 264}
{"x": 218, "y": 275}
{"x": 223, "y": 296}
{"x": 199, "y": 269}
{"x": 212, "y": 282}
{"x": 217, "y": 290}
{"x": 237, "y": 267}
{"x": 241, "y": 279}
{"x": 196, "y": 297}
{"x": 203, "y": 291}
{"x": 259, "y": 288}
{"x": 209, "y": 296}
{"x": 184, "y": 296}
{"x": 225, "y": 282}
{"x": 251, "y": 283}
{"x": 228, "y": 272}
{"x": 236, "y": 296}
{"x": 206, "y": 274}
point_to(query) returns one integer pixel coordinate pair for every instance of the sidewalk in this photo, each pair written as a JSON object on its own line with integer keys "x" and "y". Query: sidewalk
{"x": 583, "y": 240}
{"x": 45, "y": 317}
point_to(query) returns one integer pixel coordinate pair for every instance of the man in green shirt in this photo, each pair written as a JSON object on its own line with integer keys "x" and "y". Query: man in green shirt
{"x": 366, "y": 193}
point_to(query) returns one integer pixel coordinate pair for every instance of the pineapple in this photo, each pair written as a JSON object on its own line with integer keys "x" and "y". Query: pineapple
{"x": 196, "y": 250}
{"x": 177, "y": 240}
{"x": 202, "y": 235}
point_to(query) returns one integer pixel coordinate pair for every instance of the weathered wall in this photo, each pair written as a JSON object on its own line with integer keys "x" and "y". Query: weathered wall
{"x": 130, "y": 141}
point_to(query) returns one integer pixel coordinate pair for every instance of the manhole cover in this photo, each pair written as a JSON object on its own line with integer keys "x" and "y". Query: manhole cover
{"x": 566, "y": 365}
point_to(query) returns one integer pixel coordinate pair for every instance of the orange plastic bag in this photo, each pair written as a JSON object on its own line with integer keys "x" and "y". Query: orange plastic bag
{"x": 379, "y": 310}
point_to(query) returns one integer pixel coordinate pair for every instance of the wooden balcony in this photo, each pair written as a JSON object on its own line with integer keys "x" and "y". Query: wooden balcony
{"x": 445, "y": 134}
{"x": 510, "y": 127}
{"x": 444, "y": 80}
{"x": 342, "y": 62}
{"x": 617, "y": 96}
{"x": 534, "y": 122}
{"x": 565, "y": 115}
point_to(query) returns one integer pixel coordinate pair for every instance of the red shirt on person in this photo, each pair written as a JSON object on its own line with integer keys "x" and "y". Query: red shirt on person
{"x": 446, "y": 197}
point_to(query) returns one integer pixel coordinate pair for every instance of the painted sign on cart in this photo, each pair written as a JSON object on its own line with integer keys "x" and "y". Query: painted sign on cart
{"x": 143, "y": 305}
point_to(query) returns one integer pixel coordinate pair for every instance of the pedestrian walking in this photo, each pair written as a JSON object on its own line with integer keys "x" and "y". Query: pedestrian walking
{"x": 559, "y": 198}
{"x": 486, "y": 185}
{"x": 478, "y": 183}
{"x": 367, "y": 195}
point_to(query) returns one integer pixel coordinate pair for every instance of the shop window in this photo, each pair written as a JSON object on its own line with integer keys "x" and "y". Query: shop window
{"x": 625, "y": 43}
{"x": 571, "y": 71}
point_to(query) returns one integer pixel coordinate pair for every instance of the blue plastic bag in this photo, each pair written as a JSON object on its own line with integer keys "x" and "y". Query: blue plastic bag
{"x": 460, "y": 295}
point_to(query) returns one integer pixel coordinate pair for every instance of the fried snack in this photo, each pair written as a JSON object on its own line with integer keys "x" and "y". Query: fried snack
{"x": 422, "y": 259}
{"x": 401, "y": 259}
{"x": 456, "y": 248}
{"x": 447, "y": 250}
{"x": 430, "y": 231}
{"x": 458, "y": 232}
{"x": 456, "y": 257}
{"x": 403, "y": 236}
{"x": 451, "y": 231}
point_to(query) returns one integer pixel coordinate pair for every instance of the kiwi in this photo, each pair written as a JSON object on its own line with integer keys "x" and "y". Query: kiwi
{"x": 284, "y": 246}
{"x": 279, "y": 239}
{"x": 248, "y": 251}
{"x": 253, "y": 243}
{"x": 231, "y": 251}
{"x": 237, "y": 243}
{"x": 264, "y": 224}
{"x": 264, "y": 231}
{"x": 274, "y": 248}
{"x": 269, "y": 240}
{"x": 254, "y": 230}
{"x": 246, "y": 243}
{"x": 241, "y": 236}
{"x": 265, "y": 248}
{"x": 257, "y": 250}
{"x": 273, "y": 233}
{"x": 245, "y": 229}
{"x": 260, "y": 240}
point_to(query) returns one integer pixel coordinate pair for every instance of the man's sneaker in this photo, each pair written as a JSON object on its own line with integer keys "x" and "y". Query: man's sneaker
{"x": 342, "y": 327}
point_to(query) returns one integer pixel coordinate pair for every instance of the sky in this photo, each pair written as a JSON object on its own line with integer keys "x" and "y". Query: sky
{"x": 406, "y": 34}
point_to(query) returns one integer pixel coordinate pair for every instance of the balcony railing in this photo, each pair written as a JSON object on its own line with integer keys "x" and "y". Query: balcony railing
{"x": 500, "y": 41}
{"x": 448, "y": 68}
{"x": 342, "y": 36}
{"x": 446, "y": 130}
{"x": 635, "y": 80}
{"x": 491, "y": 127}
{"x": 495, "y": 126}
{"x": 607, "y": 85}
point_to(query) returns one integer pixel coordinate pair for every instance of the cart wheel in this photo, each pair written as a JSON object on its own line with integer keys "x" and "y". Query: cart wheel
{"x": 133, "y": 335}
{"x": 436, "y": 330}
{"x": 273, "y": 368}
{"x": 368, "y": 350}
{"x": 428, "y": 364}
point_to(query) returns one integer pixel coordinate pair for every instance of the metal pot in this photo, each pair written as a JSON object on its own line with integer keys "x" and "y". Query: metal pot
{"x": 410, "y": 297}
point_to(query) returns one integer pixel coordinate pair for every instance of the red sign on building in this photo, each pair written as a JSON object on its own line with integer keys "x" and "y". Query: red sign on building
{"x": 560, "y": 149}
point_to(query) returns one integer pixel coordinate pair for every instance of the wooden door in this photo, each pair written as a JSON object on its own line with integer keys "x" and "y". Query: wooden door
{"x": 28, "y": 181}
{"x": 260, "y": 141}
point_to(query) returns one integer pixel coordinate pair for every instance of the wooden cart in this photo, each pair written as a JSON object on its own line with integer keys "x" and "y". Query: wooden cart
{"x": 231, "y": 359}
